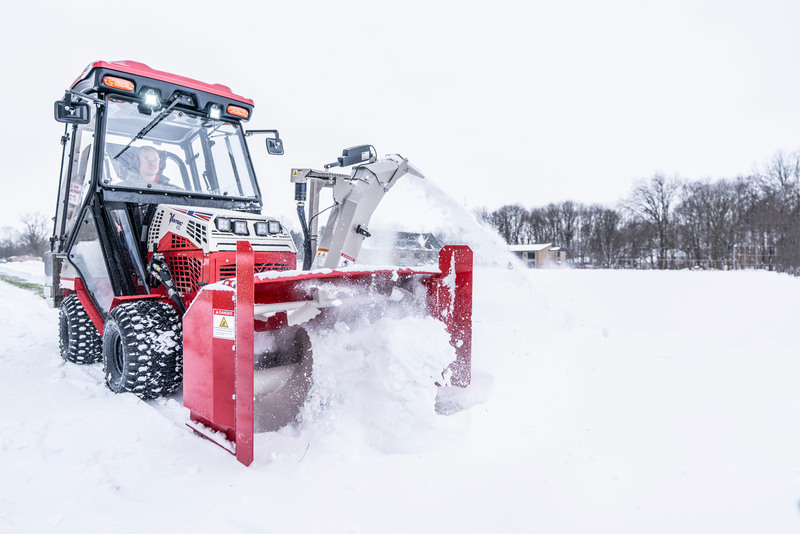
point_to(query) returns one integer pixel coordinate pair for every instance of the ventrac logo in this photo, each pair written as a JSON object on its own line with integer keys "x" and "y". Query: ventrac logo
{"x": 176, "y": 222}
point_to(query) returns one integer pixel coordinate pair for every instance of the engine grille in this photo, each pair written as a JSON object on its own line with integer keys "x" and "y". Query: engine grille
{"x": 185, "y": 270}
{"x": 197, "y": 232}
{"x": 191, "y": 268}
{"x": 155, "y": 226}
{"x": 181, "y": 243}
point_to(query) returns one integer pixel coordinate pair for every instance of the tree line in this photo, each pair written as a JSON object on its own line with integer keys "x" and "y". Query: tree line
{"x": 663, "y": 223}
{"x": 670, "y": 222}
{"x": 32, "y": 239}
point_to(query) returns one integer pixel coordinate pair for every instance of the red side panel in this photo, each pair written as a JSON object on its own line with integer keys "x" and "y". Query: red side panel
{"x": 208, "y": 376}
{"x": 218, "y": 360}
{"x": 450, "y": 301}
{"x": 88, "y": 305}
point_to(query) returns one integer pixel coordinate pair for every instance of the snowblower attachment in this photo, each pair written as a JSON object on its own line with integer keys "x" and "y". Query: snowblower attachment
{"x": 225, "y": 376}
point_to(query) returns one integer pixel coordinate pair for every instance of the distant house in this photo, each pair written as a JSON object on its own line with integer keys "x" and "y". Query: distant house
{"x": 25, "y": 257}
{"x": 400, "y": 248}
{"x": 540, "y": 255}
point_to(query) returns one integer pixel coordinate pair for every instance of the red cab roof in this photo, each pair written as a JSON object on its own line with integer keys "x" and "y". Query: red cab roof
{"x": 140, "y": 69}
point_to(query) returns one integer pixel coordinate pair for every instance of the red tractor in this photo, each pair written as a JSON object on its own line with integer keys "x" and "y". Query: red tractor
{"x": 164, "y": 268}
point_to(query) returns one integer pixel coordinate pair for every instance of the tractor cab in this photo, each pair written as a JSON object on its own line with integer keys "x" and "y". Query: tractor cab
{"x": 153, "y": 163}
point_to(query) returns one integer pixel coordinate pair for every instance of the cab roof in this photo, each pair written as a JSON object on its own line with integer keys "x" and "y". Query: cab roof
{"x": 140, "y": 69}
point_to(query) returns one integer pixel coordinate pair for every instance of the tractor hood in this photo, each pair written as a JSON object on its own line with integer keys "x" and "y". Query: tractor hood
{"x": 214, "y": 230}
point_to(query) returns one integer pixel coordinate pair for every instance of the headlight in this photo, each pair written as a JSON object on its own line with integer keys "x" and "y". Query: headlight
{"x": 261, "y": 228}
{"x": 223, "y": 224}
{"x": 264, "y": 228}
{"x": 151, "y": 99}
{"x": 240, "y": 228}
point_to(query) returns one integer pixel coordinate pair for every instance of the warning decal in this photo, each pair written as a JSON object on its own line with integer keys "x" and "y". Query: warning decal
{"x": 224, "y": 324}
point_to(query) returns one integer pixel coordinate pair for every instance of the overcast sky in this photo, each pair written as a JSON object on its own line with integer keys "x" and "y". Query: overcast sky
{"x": 497, "y": 102}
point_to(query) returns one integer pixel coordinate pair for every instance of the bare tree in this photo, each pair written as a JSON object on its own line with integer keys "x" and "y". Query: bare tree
{"x": 533, "y": 230}
{"x": 482, "y": 215}
{"x": 778, "y": 210}
{"x": 607, "y": 239}
{"x": 708, "y": 219}
{"x": 782, "y": 169}
{"x": 509, "y": 221}
{"x": 569, "y": 217}
{"x": 33, "y": 238}
{"x": 652, "y": 202}
{"x": 9, "y": 242}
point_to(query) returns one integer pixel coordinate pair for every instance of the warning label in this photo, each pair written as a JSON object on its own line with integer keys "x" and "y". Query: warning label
{"x": 75, "y": 194}
{"x": 224, "y": 324}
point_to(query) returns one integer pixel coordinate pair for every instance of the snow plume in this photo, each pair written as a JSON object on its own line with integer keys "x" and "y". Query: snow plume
{"x": 419, "y": 205}
{"x": 375, "y": 382}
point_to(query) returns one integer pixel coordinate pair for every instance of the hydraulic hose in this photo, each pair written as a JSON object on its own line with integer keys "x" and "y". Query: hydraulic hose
{"x": 307, "y": 259}
{"x": 160, "y": 271}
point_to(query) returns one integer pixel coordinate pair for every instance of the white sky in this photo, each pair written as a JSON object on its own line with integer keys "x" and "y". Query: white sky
{"x": 497, "y": 102}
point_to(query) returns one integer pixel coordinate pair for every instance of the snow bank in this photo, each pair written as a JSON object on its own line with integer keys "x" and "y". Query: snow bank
{"x": 31, "y": 271}
{"x": 602, "y": 401}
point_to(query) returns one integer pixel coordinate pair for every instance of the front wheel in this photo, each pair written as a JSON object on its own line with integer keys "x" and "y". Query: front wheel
{"x": 142, "y": 349}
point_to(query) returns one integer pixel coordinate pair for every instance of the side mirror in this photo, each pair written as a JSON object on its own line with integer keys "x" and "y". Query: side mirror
{"x": 275, "y": 145}
{"x": 73, "y": 112}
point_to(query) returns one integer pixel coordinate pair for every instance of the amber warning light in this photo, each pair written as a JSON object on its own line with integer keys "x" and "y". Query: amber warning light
{"x": 118, "y": 83}
{"x": 237, "y": 111}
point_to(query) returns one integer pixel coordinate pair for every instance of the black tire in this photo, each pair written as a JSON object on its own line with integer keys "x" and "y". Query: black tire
{"x": 143, "y": 349}
{"x": 78, "y": 339}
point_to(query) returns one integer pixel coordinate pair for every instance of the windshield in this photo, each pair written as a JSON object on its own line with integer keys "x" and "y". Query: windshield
{"x": 174, "y": 151}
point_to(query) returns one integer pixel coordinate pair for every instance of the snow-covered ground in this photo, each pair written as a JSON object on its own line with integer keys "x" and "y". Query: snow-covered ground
{"x": 31, "y": 271}
{"x": 602, "y": 401}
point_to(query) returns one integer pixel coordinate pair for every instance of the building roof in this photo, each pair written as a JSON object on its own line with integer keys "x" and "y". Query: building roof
{"x": 533, "y": 247}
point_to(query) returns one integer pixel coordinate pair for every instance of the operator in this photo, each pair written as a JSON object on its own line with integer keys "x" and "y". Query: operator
{"x": 148, "y": 162}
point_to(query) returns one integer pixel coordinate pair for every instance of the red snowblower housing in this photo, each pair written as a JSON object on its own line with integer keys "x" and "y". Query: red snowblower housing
{"x": 165, "y": 270}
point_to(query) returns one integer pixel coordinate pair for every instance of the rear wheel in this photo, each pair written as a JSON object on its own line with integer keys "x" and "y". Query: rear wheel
{"x": 79, "y": 340}
{"x": 142, "y": 349}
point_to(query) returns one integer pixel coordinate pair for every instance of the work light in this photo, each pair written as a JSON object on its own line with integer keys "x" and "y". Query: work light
{"x": 151, "y": 99}
{"x": 223, "y": 224}
{"x": 240, "y": 227}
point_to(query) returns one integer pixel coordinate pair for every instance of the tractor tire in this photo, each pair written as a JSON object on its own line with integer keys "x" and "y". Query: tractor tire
{"x": 143, "y": 349}
{"x": 78, "y": 339}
